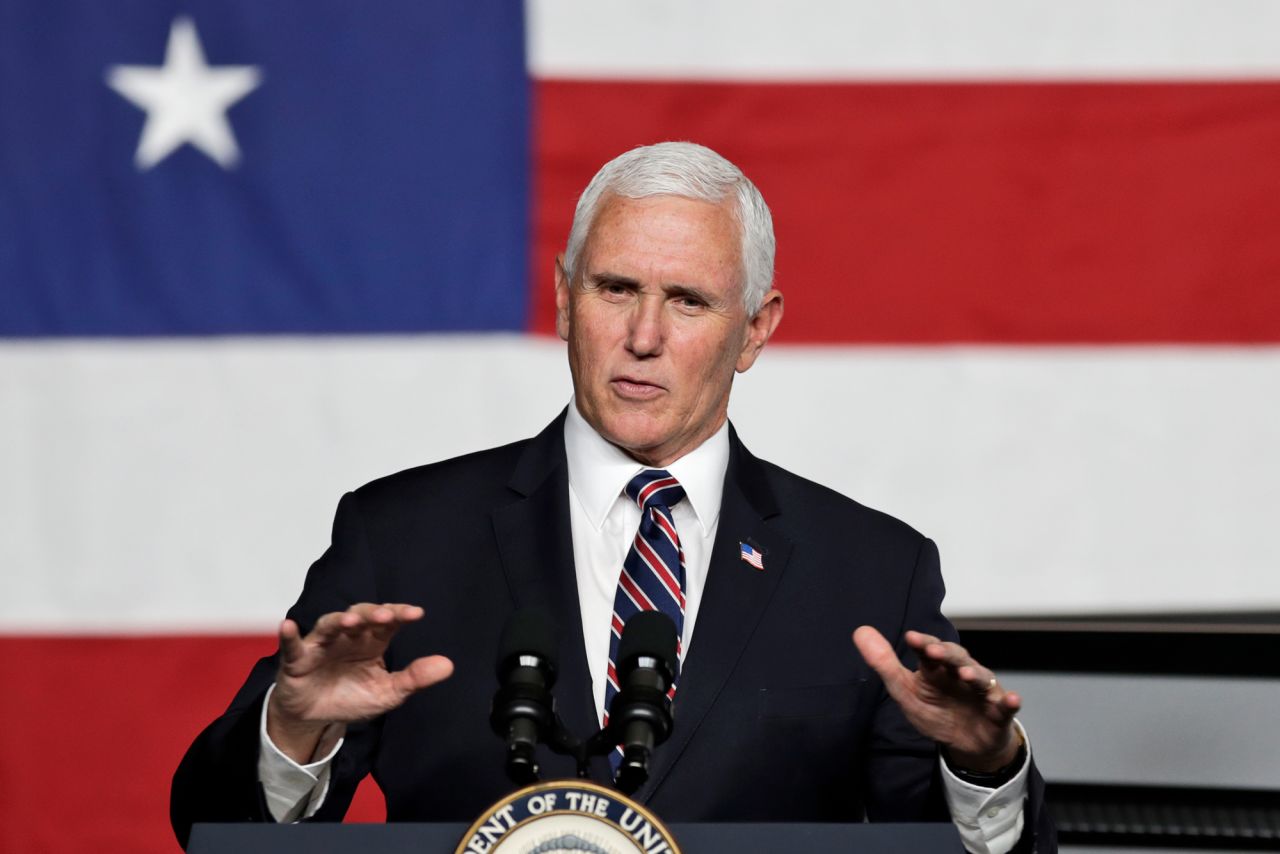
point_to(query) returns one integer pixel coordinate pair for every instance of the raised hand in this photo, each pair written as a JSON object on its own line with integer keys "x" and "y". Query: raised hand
{"x": 951, "y": 699}
{"x": 336, "y": 674}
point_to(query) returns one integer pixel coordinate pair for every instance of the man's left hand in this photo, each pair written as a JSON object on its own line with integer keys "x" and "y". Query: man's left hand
{"x": 951, "y": 699}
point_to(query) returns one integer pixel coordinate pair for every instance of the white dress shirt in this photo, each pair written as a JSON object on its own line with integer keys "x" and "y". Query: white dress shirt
{"x": 604, "y": 523}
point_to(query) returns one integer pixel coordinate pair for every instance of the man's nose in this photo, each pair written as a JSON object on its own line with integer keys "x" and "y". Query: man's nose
{"x": 646, "y": 332}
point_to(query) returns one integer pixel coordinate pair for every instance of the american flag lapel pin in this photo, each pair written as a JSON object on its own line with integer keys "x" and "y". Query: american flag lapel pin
{"x": 752, "y": 554}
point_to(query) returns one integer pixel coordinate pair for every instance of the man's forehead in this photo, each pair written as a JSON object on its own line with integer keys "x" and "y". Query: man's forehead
{"x": 708, "y": 226}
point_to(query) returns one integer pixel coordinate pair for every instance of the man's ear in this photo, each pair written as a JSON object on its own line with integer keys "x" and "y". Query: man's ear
{"x": 760, "y": 329}
{"x": 562, "y": 299}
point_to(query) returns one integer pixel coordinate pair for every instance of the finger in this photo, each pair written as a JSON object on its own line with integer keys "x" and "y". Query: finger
{"x": 385, "y": 613}
{"x": 931, "y": 651}
{"x": 985, "y": 683}
{"x": 421, "y": 673}
{"x": 400, "y": 615}
{"x": 934, "y": 648}
{"x": 1008, "y": 702}
{"x": 879, "y": 654}
{"x": 971, "y": 679}
{"x": 405, "y": 613}
{"x": 980, "y": 679}
{"x": 944, "y": 662}
{"x": 947, "y": 652}
{"x": 291, "y": 646}
{"x": 919, "y": 640}
{"x": 365, "y": 619}
{"x": 384, "y": 620}
{"x": 1001, "y": 705}
{"x": 383, "y": 632}
{"x": 370, "y": 612}
{"x": 356, "y": 620}
{"x": 355, "y": 626}
{"x": 328, "y": 627}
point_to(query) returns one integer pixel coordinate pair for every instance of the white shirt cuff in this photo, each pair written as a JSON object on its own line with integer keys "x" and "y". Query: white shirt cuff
{"x": 989, "y": 820}
{"x": 294, "y": 791}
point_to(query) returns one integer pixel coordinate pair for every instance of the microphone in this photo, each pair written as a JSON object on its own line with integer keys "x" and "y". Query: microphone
{"x": 523, "y": 710}
{"x": 640, "y": 716}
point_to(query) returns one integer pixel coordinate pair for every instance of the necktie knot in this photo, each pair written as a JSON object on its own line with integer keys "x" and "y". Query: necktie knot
{"x": 655, "y": 488}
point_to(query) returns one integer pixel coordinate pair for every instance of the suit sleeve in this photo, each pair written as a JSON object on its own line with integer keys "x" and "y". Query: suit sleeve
{"x": 903, "y": 780}
{"x": 217, "y": 780}
{"x": 904, "y": 772}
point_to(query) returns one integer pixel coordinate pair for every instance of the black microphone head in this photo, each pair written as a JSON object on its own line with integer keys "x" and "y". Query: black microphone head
{"x": 528, "y": 639}
{"x": 649, "y": 634}
{"x": 640, "y": 714}
{"x": 523, "y": 710}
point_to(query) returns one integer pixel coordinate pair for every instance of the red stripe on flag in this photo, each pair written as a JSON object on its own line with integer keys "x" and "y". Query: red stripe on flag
{"x": 969, "y": 212}
{"x": 112, "y": 717}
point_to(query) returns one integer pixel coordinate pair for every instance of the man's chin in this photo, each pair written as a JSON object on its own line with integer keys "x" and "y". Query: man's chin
{"x": 641, "y": 442}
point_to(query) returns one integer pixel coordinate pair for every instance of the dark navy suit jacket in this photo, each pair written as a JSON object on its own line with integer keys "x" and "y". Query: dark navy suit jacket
{"x": 777, "y": 717}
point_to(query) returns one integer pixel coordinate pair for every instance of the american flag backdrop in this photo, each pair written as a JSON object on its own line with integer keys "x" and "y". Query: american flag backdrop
{"x": 253, "y": 254}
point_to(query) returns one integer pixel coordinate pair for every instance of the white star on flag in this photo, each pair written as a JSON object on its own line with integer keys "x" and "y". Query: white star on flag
{"x": 186, "y": 100}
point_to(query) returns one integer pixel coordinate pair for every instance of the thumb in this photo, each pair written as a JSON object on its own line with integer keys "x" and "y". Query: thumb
{"x": 879, "y": 654}
{"x": 421, "y": 673}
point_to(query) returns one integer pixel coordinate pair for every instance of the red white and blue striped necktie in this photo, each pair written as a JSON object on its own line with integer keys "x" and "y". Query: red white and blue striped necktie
{"x": 652, "y": 577}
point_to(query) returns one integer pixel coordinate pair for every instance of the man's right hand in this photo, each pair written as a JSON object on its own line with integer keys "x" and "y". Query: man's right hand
{"x": 336, "y": 675}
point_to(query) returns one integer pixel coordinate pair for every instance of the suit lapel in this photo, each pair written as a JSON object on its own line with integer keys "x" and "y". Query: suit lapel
{"x": 536, "y": 544}
{"x": 734, "y": 600}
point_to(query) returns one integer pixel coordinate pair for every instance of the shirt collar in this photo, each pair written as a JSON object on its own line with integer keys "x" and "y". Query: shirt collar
{"x": 599, "y": 471}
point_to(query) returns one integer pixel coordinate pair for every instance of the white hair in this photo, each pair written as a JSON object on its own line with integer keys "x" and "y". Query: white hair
{"x": 691, "y": 171}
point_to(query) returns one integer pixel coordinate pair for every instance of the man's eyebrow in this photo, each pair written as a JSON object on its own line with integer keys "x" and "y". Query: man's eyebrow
{"x": 674, "y": 289}
{"x": 679, "y": 290}
{"x": 607, "y": 278}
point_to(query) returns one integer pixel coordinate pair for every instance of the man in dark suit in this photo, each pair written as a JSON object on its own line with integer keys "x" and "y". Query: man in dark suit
{"x": 663, "y": 294}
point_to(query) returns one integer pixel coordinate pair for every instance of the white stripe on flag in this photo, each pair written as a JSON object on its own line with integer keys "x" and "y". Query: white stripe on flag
{"x": 922, "y": 39}
{"x": 187, "y": 485}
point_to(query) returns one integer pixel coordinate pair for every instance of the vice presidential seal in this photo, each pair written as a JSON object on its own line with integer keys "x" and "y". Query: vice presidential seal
{"x": 572, "y": 816}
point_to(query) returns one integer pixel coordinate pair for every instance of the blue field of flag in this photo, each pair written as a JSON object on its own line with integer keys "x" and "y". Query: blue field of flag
{"x": 234, "y": 166}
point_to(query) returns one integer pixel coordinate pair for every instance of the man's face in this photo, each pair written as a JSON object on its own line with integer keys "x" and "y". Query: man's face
{"x": 656, "y": 325}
